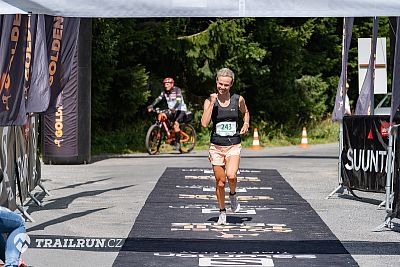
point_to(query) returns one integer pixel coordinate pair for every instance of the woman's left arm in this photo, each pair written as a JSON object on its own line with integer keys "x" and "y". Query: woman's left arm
{"x": 246, "y": 116}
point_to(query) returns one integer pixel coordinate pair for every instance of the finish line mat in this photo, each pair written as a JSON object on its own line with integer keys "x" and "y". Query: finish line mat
{"x": 275, "y": 226}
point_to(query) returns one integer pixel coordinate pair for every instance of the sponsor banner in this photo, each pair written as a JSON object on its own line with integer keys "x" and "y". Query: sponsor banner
{"x": 7, "y": 164}
{"x": 338, "y": 111}
{"x": 12, "y": 67}
{"x": 60, "y": 131}
{"x": 37, "y": 85}
{"x": 364, "y": 156}
{"x": 62, "y": 37}
{"x": 34, "y": 174}
{"x": 366, "y": 96}
{"x": 21, "y": 157}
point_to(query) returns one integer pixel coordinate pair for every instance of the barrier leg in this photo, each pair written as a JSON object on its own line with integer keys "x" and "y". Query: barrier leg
{"x": 383, "y": 203}
{"x": 387, "y": 224}
{"x": 24, "y": 213}
{"x": 339, "y": 189}
{"x": 354, "y": 195}
{"x": 43, "y": 188}
{"x": 40, "y": 204}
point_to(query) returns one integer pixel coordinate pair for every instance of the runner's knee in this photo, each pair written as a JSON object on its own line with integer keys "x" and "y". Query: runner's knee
{"x": 221, "y": 184}
{"x": 231, "y": 176}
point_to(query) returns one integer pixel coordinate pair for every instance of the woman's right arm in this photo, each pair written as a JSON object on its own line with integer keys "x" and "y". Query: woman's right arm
{"x": 208, "y": 107}
{"x": 206, "y": 118}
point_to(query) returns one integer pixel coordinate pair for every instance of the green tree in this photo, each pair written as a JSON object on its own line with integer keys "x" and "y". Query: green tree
{"x": 223, "y": 43}
{"x": 120, "y": 87}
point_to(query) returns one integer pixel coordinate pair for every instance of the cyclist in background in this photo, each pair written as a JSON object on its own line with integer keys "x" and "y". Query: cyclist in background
{"x": 173, "y": 95}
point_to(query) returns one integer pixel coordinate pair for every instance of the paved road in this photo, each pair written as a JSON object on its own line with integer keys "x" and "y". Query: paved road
{"x": 102, "y": 200}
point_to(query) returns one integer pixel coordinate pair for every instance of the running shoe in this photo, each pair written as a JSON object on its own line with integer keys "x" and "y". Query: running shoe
{"x": 22, "y": 263}
{"x": 235, "y": 206}
{"x": 222, "y": 218}
{"x": 177, "y": 147}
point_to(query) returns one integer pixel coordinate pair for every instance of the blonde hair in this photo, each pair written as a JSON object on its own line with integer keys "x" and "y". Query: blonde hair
{"x": 225, "y": 72}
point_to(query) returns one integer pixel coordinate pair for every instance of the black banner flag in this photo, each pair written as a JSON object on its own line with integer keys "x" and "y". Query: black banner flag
{"x": 12, "y": 68}
{"x": 31, "y": 131}
{"x": 7, "y": 164}
{"x": 21, "y": 158}
{"x": 338, "y": 110}
{"x": 60, "y": 132}
{"x": 365, "y": 103}
{"x": 37, "y": 73}
{"x": 62, "y": 37}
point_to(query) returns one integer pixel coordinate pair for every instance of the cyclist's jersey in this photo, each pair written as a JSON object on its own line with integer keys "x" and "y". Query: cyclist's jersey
{"x": 225, "y": 123}
{"x": 174, "y": 99}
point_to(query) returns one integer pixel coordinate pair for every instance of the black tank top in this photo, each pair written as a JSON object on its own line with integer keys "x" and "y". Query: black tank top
{"x": 225, "y": 123}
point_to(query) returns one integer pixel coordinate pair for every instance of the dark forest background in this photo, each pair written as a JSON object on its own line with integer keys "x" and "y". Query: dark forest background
{"x": 287, "y": 69}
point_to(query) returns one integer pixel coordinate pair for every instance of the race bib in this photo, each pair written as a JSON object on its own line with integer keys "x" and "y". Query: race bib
{"x": 226, "y": 128}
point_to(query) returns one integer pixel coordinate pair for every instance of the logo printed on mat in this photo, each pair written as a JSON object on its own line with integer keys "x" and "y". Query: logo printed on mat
{"x": 247, "y": 262}
{"x": 211, "y": 177}
{"x": 212, "y": 197}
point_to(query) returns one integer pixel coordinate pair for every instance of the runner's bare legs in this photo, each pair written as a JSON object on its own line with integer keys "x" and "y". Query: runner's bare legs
{"x": 221, "y": 173}
{"x": 232, "y": 167}
{"x": 220, "y": 180}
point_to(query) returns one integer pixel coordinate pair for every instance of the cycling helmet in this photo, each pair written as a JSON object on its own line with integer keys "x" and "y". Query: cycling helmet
{"x": 168, "y": 80}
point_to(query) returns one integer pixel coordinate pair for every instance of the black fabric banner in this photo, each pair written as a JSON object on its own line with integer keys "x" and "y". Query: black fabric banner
{"x": 37, "y": 73}
{"x": 7, "y": 163}
{"x": 366, "y": 96}
{"x": 21, "y": 157}
{"x": 394, "y": 110}
{"x": 396, "y": 183}
{"x": 364, "y": 155}
{"x": 60, "y": 131}
{"x": 12, "y": 68}
{"x": 34, "y": 173}
{"x": 338, "y": 111}
{"x": 62, "y": 36}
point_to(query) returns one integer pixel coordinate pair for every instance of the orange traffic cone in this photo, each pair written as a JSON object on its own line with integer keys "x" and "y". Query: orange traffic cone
{"x": 304, "y": 140}
{"x": 256, "y": 141}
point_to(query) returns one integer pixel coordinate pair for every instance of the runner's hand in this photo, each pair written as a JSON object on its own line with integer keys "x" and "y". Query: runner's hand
{"x": 213, "y": 98}
{"x": 245, "y": 129}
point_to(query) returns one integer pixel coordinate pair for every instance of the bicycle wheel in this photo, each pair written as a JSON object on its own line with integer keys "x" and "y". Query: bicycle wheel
{"x": 153, "y": 139}
{"x": 188, "y": 138}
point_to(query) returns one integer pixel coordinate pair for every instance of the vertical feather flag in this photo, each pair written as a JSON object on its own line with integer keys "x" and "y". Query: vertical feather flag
{"x": 365, "y": 103}
{"x": 338, "y": 110}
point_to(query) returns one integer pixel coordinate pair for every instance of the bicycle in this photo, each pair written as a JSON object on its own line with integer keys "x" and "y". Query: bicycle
{"x": 161, "y": 131}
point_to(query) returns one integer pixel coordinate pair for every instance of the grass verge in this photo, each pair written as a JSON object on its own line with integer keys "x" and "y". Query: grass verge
{"x": 131, "y": 138}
